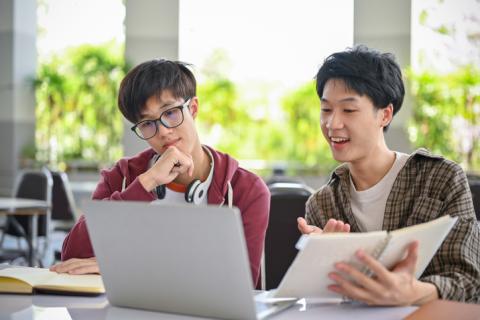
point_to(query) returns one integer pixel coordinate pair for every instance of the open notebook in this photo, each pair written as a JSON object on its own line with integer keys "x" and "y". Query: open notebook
{"x": 307, "y": 277}
{"x": 30, "y": 280}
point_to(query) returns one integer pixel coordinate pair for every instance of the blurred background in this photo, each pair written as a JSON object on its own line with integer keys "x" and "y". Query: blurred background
{"x": 61, "y": 62}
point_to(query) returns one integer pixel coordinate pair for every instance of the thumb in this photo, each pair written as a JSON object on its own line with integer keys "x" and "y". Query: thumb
{"x": 305, "y": 228}
{"x": 409, "y": 263}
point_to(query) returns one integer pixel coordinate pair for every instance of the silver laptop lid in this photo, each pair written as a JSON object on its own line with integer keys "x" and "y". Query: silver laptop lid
{"x": 172, "y": 258}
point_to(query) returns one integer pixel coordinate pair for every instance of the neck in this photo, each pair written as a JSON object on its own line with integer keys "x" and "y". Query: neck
{"x": 368, "y": 171}
{"x": 201, "y": 161}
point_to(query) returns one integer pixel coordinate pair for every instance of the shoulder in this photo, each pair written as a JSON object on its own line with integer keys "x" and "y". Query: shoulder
{"x": 422, "y": 163}
{"x": 325, "y": 194}
{"x": 320, "y": 197}
{"x": 246, "y": 181}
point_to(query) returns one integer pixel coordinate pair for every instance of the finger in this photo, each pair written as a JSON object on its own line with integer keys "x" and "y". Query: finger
{"x": 172, "y": 175}
{"x": 376, "y": 267}
{"x": 339, "y": 226}
{"x": 330, "y": 226}
{"x": 346, "y": 227}
{"x": 190, "y": 170}
{"x": 60, "y": 267}
{"x": 410, "y": 262}
{"x": 179, "y": 169}
{"x": 306, "y": 228}
{"x": 303, "y": 226}
{"x": 349, "y": 289}
{"x": 360, "y": 278}
{"x": 86, "y": 269}
{"x": 71, "y": 264}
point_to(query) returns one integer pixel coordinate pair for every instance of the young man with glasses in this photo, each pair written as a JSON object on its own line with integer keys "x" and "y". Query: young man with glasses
{"x": 159, "y": 97}
{"x": 360, "y": 91}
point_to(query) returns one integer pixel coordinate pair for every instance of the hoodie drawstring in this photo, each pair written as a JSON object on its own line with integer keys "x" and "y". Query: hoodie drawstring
{"x": 230, "y": 194}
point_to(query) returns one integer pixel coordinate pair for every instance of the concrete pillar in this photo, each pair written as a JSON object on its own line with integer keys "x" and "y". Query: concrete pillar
{"x": 151, "y": 31}
{"x": 18, "y": 61}
{"x": 386, "y": 25}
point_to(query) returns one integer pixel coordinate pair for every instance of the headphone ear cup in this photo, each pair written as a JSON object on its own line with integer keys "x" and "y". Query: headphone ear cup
{"x": 191, "y": 190}
{"x": 161, "y": 191}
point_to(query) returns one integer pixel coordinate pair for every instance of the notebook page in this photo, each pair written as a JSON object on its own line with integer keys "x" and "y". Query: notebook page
{"x": 307, "y": 277}
{"x": 32, "y": 276}
{"x": 430, "y": 236}
{"x": 89, "y": 283}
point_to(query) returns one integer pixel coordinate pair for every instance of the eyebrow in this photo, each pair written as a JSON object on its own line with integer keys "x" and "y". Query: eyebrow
{"x": 146, "y": 115}
{"x": 349, "y": 99}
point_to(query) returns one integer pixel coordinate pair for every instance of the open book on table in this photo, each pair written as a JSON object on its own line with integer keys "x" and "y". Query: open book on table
{"x": 30, "y": 280}
{"x": 307, "y": 277}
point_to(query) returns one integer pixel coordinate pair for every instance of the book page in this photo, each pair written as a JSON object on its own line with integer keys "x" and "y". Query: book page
{"x": 42, "y": 278}
{"x": 307, "y": 277}
{"x": 430, "y": 235}
{"x": 88, "y": 283}
{"x": 32, "y": 276}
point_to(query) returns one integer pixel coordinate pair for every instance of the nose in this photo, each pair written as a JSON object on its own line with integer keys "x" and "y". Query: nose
{"x": 334, "y": 121}
{"x": 162, "y": 130}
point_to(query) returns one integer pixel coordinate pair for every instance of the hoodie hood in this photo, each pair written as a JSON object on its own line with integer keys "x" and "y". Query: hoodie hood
{"x": 224, "y": 171}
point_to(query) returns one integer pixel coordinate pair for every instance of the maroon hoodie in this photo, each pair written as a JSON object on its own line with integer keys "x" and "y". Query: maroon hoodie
{"x": 250, "y": 195}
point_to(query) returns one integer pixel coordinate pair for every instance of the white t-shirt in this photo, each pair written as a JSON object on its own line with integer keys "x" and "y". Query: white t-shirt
{"x": 368, "y": 206}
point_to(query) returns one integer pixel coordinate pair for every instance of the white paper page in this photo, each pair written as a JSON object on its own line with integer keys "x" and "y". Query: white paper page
{"x": 43, "y": 277}
{"x": 307, "y": 277}
{"x": 430, "y": 235}
{"x": 29, "y": 275}
{"x": 63, "y": 280}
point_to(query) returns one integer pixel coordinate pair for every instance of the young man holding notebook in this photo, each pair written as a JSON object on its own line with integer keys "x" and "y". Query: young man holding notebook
{"x": 159, "y": 98}
{"x": 379, "y": 189}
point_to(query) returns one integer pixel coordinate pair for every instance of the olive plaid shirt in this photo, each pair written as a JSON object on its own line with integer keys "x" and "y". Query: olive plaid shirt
{"x": 426, "y": 188}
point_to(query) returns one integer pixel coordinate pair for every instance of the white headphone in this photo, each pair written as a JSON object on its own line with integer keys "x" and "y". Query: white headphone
{"x": 197, "y": 189}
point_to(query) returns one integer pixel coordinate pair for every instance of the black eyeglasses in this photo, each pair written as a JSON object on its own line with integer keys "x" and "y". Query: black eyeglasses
{"x": 170, "y": 118}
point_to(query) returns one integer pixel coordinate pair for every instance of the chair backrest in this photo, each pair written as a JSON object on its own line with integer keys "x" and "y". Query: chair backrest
{"x": 287, "y": 203}
{"x": 63, "y": 203}
{"x": 33, "y": 184}
{"x": 475, "y": 189}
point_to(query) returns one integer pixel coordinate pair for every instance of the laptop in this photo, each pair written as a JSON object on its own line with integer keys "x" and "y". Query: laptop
{"x": 175, "y": 258}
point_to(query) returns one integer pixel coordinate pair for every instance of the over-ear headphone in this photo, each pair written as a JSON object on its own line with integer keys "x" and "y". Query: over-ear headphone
{"x": 196, "y": 190}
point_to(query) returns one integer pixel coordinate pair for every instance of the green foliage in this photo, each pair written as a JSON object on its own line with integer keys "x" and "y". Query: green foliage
{"x": 76, "y": 112}
{"x": 446, "y": 114}
{"x": 228, "y": 123}
{"x": 307, "y": 144}
{"x": 290, "y": 134}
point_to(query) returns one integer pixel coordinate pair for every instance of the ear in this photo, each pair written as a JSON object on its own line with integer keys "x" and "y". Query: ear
{"x": 194, "y": 107}
{"x": 387, "y": 115}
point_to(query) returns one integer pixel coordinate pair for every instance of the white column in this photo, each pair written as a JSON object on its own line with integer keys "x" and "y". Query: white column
{"x": 151, "y": 31}
{"x": 18, "y": 61}
{"x": 386, "y": 25}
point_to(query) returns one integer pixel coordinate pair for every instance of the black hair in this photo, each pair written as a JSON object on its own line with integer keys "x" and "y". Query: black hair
{"x": 151, "y": 78}
{"x": 367, "y": 72}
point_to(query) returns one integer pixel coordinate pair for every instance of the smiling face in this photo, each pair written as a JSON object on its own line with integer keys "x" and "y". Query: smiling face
{"x": 185, "y": 136}
{"x": 351, "y": 124}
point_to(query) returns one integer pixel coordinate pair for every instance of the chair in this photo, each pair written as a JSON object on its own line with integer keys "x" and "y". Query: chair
{"x": 29, "y": 184}
{"x": 64, "y": 210}
{"x": 475, "y": 189}
{"x": 287, "y": 203}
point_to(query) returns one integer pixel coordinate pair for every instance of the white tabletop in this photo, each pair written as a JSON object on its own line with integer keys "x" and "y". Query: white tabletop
{"x": 20, "y": 203}
{"x": 55, "y": 307}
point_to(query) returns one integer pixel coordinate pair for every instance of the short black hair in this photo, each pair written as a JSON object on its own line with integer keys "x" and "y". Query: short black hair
{"x": 151, "y": 78}
{"x": 367, "y": 72}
